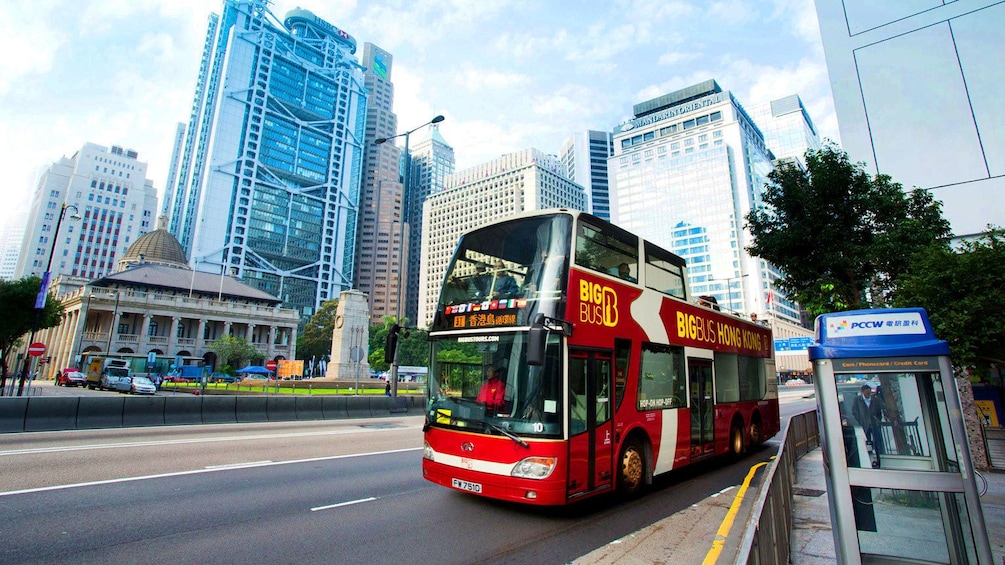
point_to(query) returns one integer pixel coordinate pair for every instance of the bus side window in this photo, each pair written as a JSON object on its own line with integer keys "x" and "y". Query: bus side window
{"x": 604, "y": 251}
{"x": 622, "y": 351}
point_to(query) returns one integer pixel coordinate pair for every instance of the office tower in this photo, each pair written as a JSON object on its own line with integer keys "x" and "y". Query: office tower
{"x": 432, "y": 160}
{"x": 11, "y": 237}
{"x": 268, "y": 179}
{"x": 585, "y": 156}
{"x": 380, "y": 202}
{"x": 686, "y": 171}
{"x": 787, "y": 127}
{"x": 167, "y": 204}
{"x": 116, "y": 204}
{"x": 514, "y": 183}
{"x": 916, "y": 88}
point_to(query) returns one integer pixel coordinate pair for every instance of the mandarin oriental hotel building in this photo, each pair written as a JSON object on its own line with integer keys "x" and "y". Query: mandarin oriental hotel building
{"x": 686, "y": 171}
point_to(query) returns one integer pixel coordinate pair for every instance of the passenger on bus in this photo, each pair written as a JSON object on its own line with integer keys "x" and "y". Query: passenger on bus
{"x": 493, "y": 391}
{"x": 504, "y": 285}
{"x": 479, "y": 283}
{"x": 625, "y": 272}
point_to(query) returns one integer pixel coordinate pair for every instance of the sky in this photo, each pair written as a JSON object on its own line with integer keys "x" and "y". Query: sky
{"x": 506, "y": 74}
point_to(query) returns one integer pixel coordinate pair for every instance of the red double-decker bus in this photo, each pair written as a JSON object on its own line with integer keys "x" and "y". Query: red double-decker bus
{"x": 569, "y": 359}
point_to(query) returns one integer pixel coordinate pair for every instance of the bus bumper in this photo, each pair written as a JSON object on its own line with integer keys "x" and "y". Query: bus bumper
{"x": 525, "y": 491}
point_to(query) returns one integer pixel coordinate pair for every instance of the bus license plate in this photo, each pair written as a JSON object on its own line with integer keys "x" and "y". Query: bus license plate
{"x": 465, "y": 485}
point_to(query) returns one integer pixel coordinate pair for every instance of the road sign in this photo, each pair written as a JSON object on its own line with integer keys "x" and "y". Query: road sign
{"x": 271, "y": 365}
{"x": 36, "y": 349}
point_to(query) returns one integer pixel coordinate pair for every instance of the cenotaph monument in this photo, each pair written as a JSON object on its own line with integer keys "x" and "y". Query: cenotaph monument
{"x": 350, "y": 338}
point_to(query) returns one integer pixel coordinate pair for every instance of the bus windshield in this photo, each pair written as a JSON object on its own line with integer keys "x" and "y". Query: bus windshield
{"x": 481, "y": 383}
{"x": 515, "y": 269}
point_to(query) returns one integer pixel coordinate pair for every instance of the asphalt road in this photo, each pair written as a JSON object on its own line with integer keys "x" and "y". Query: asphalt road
{"x": 294, "y": 492}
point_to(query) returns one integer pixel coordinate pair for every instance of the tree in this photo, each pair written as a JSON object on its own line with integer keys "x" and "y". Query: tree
{"x": 413, "y": 345}
{"x": 841, "y": 237}
{"x": 316, "y": 339}
{"x": 18, "y": 299}
{"x": 964, "y": 296}
{"x": 233, "y": 351}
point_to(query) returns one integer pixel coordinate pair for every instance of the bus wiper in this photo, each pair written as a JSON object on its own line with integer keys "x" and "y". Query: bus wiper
{"x": 507, "y": 433}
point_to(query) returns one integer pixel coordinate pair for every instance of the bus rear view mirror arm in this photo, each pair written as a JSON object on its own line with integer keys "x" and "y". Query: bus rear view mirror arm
{"x": 538, "y": 334}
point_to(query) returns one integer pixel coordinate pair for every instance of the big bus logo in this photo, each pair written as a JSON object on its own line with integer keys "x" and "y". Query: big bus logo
{"x": 598, "y": 304}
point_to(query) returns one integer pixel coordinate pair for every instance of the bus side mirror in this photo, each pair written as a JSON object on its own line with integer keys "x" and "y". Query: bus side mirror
{"x": 536, "y": 337}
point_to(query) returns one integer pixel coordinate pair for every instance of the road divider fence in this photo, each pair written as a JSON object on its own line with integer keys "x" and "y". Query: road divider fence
{"x": 766, "y": 538}
{"x": 49, "y": 413}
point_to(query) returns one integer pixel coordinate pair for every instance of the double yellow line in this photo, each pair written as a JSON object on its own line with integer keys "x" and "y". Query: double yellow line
{"x": 727, "y": 522}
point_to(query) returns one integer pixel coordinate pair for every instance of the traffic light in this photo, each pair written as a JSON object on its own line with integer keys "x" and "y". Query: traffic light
{"x": 391, "y": 343}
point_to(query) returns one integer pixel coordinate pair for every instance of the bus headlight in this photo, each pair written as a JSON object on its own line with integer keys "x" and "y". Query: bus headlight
{"x": 427, "y": 452}
{"x": 535, "y": 467}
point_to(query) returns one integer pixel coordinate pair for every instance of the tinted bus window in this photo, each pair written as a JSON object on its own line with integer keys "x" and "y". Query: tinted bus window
{"x": 664, "y": 272}
{"x": 613, "y": 252}
{"x": 662, "y": 379}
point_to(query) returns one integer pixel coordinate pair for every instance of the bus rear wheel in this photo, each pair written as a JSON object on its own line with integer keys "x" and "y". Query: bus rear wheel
{"x": 631, "y": 469}
{"x": 736, "y": 440}
{"x": 754, "y": 432}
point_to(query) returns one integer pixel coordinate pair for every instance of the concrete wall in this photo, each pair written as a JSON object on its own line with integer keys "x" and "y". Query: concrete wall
{"x": 46, "y": 413}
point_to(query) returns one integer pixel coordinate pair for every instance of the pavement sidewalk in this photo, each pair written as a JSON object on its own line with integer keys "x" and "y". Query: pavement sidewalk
{"x": 812, "y": 540}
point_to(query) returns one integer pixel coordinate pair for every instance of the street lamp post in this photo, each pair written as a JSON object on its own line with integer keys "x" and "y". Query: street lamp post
{"x": 43, "y": 290}
{"x": 83, "y": 332}
{"x": 111, "y": 325}
{"x": 729, "y": 287}
{"x": 401, "y": 240}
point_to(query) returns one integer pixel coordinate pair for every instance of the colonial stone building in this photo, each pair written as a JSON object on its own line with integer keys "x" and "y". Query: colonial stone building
{"x": 156, "y": 311}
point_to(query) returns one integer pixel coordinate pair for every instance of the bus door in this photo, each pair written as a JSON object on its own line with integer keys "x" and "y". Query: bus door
{"x": 702, "y": 423}
{"x": 591, "y": 431}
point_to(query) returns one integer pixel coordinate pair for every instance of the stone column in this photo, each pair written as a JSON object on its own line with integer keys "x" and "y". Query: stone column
{"x": 172, "y": 342}
{"x": 144, "y": 337}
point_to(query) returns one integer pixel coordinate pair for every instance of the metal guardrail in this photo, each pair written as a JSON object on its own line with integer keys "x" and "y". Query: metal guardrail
{"x": 766, "y": 539}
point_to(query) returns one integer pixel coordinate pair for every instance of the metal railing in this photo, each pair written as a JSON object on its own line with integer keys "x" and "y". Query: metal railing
{"x": 766, "y": 539}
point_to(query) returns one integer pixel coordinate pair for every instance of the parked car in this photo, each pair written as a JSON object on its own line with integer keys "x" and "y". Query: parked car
{"x": 223, "y": 378}
{"x": 135, "y": 385}
{"x": 71, "y": 378}
{"x": 795, "y": 382}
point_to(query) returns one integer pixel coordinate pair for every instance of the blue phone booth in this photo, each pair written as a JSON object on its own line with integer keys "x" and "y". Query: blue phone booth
{"x": 899, "y": 474}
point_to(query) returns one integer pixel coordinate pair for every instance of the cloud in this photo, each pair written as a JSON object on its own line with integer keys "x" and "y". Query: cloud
{"x": 731, "y": 13}
{"x": 676, "y": 57}
{"x": 22, "y": 23}
{"x": 481, "y": 79}
{"x": 802, "y": 19}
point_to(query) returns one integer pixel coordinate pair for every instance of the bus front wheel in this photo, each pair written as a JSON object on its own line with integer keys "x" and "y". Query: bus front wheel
{"x": 631, "y": 468}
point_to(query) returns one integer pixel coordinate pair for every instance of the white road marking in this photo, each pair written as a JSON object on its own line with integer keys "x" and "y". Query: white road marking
{"x": 723, "y": 491}
{"x": 238, "y": 465}
{"x": 201, "y": 471}
{"x": 349, "y": 503}
{"x": 195, "y": 440}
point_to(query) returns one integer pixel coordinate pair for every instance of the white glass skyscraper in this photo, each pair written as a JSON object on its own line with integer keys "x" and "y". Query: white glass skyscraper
{"x": 514, "y": 183}
{"x": 917, "y": 89}
{"x": 585, "y": 156}
{"x": 11, "y": 238}
{"x": 686, "y": 171}
{"x": 432, "y": 160}
{"x": 116, "y": 204}
{"x": 787, "y": 127}
{"x": 268, "y": 181}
